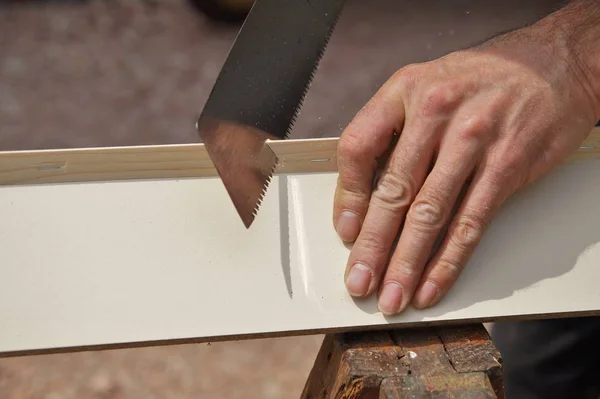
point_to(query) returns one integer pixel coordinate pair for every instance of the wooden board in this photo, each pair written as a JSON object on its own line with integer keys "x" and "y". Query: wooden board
{"x": 157, "y": 259}
{"x": 150, "y": 162}
{"x": 177, "y": 161}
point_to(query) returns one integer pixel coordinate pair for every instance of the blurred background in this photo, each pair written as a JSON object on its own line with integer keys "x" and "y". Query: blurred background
{"x": 87, "y": 73}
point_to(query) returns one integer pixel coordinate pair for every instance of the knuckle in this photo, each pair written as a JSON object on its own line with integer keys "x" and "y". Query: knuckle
{"x": 407, "y": 270}
{"x": 449, "y": 269}
{"x": 506, "y": 174}
{"x": 467, "y": 232}
{"x": 503, "y": 167}
{"x": 407, "y": 73}
{"x": 538, "y": 150}
{"x": 439, "y": 99}
{"x": 401, "y": 268}
{"x": 511, "y": 161}
{"x": 351, "y": 145}
{"x": 405, "y": 79}
{"x": 510, "y": 171}
{"x": 474, "y": 128}
{"x": 427, "y": 213}
{"x": 393, "y": 191}
{"x": 371, "y": 243}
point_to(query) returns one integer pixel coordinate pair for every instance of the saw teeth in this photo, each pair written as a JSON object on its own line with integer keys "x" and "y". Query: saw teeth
{"x": 313, "y": 73}
{"x": 250, "y": 163}
{"x": 296, "y": 112}
{"x": 263, "y": 192}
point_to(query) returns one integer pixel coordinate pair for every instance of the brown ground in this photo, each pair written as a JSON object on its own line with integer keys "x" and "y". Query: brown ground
{"x": 117, "y": 72}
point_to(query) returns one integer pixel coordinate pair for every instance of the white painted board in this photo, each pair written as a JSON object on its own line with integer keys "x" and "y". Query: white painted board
{"x": 84, "y": 264}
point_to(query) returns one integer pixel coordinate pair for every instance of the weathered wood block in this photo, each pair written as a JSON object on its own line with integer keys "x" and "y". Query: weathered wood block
{"x": 432, "y": 362}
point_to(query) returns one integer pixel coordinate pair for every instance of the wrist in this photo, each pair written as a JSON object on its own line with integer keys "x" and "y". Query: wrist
{"x": 574, "y": 34}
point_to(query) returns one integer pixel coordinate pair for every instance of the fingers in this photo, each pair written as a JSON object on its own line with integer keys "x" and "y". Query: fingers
{"x": 483, "y": 199}
{"x": 366, "y": 138}
{"x": 393, "y": 194}
{"x": 428, "y": 214}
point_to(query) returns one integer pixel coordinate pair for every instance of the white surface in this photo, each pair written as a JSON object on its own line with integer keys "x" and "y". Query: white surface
{"x": 117, "y": 262}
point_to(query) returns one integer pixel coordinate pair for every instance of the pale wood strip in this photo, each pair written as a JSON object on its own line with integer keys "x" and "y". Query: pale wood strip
{"x": 177, "y": 161}
{"x": 589, "y": 149}
{"x": 110, "y": 163}
{"x": 149, "y": 162}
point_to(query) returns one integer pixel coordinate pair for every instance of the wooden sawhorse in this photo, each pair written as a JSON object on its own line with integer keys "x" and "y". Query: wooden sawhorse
{"x": 430, "y": 362}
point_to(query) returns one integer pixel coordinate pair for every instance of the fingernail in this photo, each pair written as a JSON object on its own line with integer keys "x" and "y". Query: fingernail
{"x": 426, "y": 295}
{"x": 390, "y": 298}
{"x": 348, "y": 226}
{"x": 358, "y": 280}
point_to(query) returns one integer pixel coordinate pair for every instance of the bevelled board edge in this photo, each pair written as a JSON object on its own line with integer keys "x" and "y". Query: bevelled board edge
{"x": 295, "y": 333}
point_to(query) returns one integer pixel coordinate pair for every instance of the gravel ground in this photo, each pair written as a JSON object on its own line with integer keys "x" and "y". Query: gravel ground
{"x": 266, "y": 368}
{"x": 117, "y": 72}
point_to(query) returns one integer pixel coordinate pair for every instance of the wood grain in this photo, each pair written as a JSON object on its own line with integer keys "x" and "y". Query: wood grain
{"x": 150, "y": 162}
{"x": 407, "y": 363}
{"x": 178, "y": 161}
{"x": 353, "y": 366}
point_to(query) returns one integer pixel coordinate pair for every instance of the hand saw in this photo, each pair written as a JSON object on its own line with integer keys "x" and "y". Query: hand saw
{"x": 259, "y": 92}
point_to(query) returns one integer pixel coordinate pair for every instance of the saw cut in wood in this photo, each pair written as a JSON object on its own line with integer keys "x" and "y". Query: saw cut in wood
{"x": 135, "y": 246}
{"x": 269, "y": 68}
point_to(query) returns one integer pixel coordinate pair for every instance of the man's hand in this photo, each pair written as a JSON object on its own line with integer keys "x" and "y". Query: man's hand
{"x": 488, "y": 120}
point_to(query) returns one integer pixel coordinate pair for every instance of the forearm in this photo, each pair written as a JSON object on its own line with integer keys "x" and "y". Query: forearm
{"x": 575, "y": 32}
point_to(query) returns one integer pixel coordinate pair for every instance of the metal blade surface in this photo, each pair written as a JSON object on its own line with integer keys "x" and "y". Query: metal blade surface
{"x": 259, "y": 91}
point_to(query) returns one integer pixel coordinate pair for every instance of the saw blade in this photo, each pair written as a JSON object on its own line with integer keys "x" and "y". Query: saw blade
{"x": 260, "y": 90}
